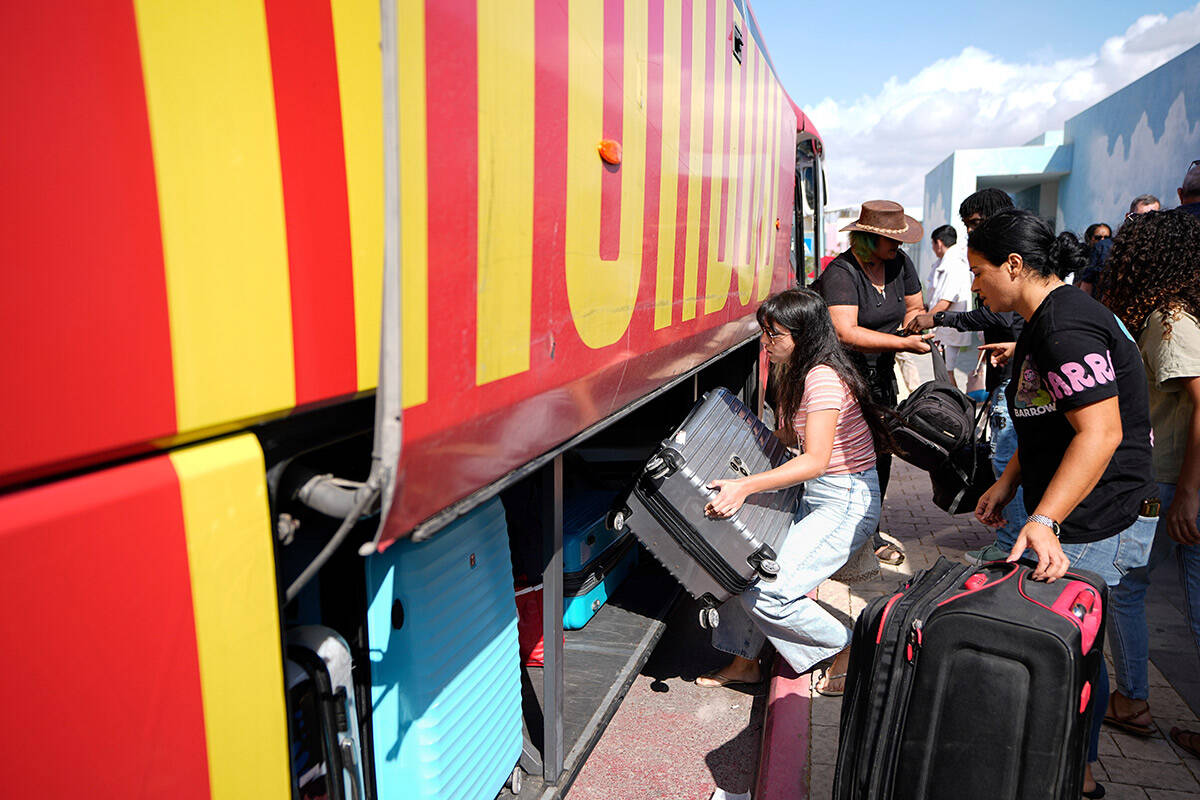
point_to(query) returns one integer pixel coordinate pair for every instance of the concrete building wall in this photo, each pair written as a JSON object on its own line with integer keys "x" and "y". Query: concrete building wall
{"x": 1138, "y": 140}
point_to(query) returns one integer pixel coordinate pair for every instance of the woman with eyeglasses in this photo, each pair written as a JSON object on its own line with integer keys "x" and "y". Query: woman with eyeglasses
{"x": 824, "y": 409}
{"x": 873, "y": 291}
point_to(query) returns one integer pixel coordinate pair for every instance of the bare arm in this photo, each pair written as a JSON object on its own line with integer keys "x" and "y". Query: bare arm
{"x": 913, "y": 305}
{"x": 1097, "y": 436}
{"x": 940, "y": 305}
{"x": 818, "y": 447}
{"x": 1181, "y": 516}
{"x": 845, "y": 322}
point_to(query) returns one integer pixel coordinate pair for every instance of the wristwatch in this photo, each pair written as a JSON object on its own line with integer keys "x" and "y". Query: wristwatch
{"x": 1042, "y": 519}
{"x": 939, "y": 319}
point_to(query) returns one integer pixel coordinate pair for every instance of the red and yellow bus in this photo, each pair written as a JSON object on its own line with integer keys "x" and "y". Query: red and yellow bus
{"x": 422, "y": 246}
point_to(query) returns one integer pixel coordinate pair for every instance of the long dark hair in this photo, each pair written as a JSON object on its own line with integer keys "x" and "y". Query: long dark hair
{"x": 806, "y": 317}
{"x": 1015, "y": 230}
{"x": 1154, "y": 266}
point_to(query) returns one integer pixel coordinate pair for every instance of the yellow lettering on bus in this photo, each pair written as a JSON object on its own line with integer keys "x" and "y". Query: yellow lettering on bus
{"x": 505, "y": 35}
{"x": 602, "y": 294}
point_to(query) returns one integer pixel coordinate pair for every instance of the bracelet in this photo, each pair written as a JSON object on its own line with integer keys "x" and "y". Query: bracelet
{"x": 1042, "y": 519}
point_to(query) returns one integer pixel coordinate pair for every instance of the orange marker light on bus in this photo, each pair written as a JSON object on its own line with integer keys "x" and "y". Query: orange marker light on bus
{"x": 610, "y": 151}
{"x": 776, "y": 223}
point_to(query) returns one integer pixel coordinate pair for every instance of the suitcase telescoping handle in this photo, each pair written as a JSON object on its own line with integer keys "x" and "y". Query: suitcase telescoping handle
{"x": 1080, "y": 603}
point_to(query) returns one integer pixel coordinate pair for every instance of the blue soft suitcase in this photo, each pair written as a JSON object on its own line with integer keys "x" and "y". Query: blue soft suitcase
{"x": 596, "y": 559}
{"x": 445, "y": 677}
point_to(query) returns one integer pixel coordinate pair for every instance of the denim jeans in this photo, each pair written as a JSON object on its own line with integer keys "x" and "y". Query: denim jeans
{"x": 1131, "y": 645}
{"x": 1113, "y": 559}
{"x": 1004, "y": 444}
{"x": 836, "y": 516}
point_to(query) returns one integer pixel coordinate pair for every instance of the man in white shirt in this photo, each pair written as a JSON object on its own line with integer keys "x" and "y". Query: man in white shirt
{"x": 950, "y": 290}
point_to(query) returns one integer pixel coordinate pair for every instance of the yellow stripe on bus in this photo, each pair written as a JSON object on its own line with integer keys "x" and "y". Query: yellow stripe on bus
{"x": 601, "y": 294}
{"x": 414, "y": 202}
{"x": 716, "y": 284}
{"x": 209, "y": 94}
{"x": 231, "y": 561}
{"x": 360, "y": 88}
{"x": 668, "y": 190}
{"x": 505, "y": 229}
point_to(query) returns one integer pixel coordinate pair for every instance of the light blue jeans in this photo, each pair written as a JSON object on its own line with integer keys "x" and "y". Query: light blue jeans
{"x": 1131, "y": 647}
{"x": 837, "y": 514}
{"x": 1004, "y": 444}
{"x": 1113, "y": 559}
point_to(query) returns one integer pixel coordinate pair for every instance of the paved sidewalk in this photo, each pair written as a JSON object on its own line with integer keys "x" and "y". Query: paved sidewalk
{"x": 1130, "y": 766}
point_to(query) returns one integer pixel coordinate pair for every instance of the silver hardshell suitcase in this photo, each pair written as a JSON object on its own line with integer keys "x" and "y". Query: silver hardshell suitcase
{"x": 714, "y": 559}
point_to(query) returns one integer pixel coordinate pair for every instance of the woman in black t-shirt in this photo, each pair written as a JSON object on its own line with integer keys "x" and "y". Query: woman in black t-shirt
{"x": 1079, "y": 405}
{"x": 872, "y": 291}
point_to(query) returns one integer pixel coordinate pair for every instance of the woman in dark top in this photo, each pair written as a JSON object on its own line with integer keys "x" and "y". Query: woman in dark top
{"x": 872, "y": 290}
{"x": 1078, "y": 401}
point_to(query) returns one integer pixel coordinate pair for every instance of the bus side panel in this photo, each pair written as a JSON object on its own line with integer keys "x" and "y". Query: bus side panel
{"x": 552, "y": 288}
{"x": 112, "y": 602}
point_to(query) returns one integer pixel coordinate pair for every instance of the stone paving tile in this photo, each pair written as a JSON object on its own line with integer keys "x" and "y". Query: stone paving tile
{"x": 824, "y": 744}
{"x": 1150, "y": 774}
{"x": 821, "y": 782}
{"x": 1155, "y": 749}
{"x": 826, "y": 711}
{"x": 1168, "y": 794}
{"x": 1108, "y": 747}
{"x": 1123, "y": 791}
{"x": 1098, "y": 773}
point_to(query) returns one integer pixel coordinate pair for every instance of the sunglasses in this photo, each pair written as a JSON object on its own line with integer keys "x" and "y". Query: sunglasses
{"x": 773, "y": 335}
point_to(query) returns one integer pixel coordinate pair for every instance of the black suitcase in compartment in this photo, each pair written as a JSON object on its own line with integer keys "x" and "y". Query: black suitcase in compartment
{"x": 714, "y": 559}
{"x": 326, "y": 747}
{"x": 972, "y": 682}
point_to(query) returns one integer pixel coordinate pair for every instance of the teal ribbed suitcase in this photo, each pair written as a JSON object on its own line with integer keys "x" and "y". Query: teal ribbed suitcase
{"x": 445, "y": 677}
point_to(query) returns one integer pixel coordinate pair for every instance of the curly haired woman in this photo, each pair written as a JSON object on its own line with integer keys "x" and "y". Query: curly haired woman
{"x": 1153, "y": 285}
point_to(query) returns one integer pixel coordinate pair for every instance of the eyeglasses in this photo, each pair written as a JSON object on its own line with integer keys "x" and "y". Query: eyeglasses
{"x": 773, "y": 335}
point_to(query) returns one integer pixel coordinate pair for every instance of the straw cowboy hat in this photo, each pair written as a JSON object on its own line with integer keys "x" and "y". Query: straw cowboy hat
{"x": 887, "y": 219}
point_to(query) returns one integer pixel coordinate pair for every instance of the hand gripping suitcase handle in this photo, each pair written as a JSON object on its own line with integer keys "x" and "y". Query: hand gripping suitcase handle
{"x": 1080, "y": 603}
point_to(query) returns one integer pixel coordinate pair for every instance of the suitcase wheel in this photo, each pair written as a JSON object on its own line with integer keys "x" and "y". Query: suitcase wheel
{"x": 768, "y": 569}
{"x": 709, "y": 617}
{"x": 514, "y": 781}
{"x": 615, "y": 521}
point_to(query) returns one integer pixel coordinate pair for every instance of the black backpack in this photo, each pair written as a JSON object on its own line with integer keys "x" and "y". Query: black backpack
{"x": 937, "y": 429}
{"x": 937, "y": 419}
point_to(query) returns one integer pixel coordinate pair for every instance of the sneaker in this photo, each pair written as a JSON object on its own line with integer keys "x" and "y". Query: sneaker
{"x": 992, "y": 552}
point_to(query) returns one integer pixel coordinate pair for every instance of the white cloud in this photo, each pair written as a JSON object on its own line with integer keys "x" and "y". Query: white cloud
{"x": 881, "y": 146}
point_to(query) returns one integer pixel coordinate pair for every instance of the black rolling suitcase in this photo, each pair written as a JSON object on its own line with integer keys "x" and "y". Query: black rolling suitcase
{"x": 714, "y": 559}
{"x": 972, "y": 682}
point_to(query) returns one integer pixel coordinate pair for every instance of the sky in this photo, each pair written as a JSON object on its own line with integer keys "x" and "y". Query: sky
{"x": 895, "y": 88}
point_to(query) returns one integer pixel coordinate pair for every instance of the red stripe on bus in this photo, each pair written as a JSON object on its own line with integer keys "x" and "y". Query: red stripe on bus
{"x": 103, "y": 672}
{"x": 452, "y": 85}
{"x": 706, "y": 170}
{"x": 644, "y": 312}
{"x": 313, "y": 162}
{"x": 614, "y": 100}
{"x": 83, "y": 312}
{"x": 725, "y": 140}
{"x": 551, "y": 33}
{"x": 685, "y": 150}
